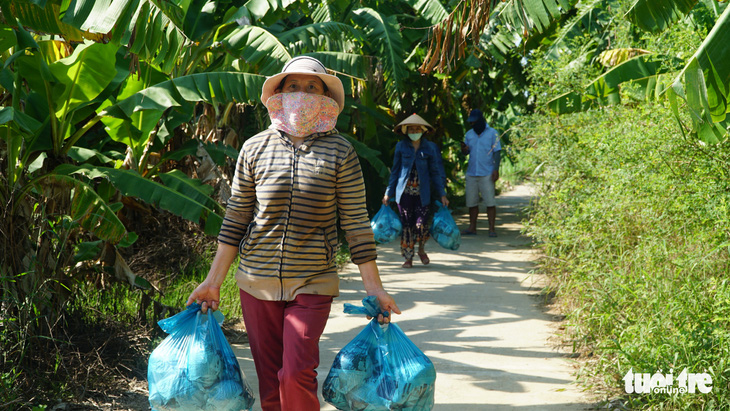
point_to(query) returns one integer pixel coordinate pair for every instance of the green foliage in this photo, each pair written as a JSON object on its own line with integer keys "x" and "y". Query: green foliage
{"x": 181, "y": 195}
{"x": 633, "y": 219}
{"x": 706, "y": 87}
{"x": 657, "y": 15}
{"x": 107, "y": 121}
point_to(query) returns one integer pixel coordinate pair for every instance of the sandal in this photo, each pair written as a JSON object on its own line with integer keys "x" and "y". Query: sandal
{"x": 424, "y": 257}
{"x": 408, "y": 264}
{"x": 492, "y": 233}
{"x": 468, "y": 232}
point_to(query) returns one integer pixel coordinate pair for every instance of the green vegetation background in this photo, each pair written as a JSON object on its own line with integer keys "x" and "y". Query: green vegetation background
{"x": 632, "y": 218}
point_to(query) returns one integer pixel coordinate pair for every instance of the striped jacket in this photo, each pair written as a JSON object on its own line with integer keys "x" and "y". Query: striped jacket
{"x": 283, "y": 214}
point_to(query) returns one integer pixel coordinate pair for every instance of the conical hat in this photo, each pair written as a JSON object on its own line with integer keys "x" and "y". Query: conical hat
{"x": 413, "y": 119}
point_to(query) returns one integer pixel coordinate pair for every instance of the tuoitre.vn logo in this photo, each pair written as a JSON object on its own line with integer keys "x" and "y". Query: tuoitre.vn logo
{"x": 644, "y": 383}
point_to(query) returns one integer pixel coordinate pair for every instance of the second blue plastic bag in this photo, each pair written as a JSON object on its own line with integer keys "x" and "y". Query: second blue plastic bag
{"x": 444, "y": 229}
{"x": 380, "y": 369}
{"x": 386, "y": 225}
{"x": 194, "y": 368}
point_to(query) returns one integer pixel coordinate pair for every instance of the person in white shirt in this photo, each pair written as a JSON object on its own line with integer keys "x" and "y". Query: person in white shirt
{"x": 482, "y": 145}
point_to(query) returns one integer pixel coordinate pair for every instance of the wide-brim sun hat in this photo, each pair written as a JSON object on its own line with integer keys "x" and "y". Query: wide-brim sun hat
{"x": 475, "y": 115}
{"x": 310, "y": 66}
{"x": 412, "y": 120}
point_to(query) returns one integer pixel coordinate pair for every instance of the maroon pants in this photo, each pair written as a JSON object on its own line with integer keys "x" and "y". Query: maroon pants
{"x": 284, "y": 340}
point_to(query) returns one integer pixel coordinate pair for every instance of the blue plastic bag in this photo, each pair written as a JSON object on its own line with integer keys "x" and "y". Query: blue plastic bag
{"x": 386, "y": 225}
{"x": 380, "y": 369}
{"x": 444, "y": 229}
{"x": 194, "y": 368}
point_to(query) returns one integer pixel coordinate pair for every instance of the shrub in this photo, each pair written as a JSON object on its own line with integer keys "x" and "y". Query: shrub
{"x": 633, "y": 222}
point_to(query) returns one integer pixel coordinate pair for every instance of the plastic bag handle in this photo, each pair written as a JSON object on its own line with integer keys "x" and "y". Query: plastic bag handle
{"x": 370, "y": 306}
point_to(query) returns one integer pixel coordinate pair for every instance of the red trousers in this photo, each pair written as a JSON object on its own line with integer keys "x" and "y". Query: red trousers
{"x": 284, "y": 340}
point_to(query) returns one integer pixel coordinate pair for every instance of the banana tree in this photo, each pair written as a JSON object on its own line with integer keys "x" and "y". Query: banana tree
{"x": 706, "y": 89}
{"x": 644, "y": 71}
{"x": 52, "y": 119}
{"x": 702, "y": 84}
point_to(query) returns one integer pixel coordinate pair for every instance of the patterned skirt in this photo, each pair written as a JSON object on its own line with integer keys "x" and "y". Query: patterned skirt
{"x": 413, "y": 216}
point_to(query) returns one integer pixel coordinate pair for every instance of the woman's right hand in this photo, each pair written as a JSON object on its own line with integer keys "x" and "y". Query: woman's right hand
{"x": 207, "y": 295}
{"x": 385, "y": 199}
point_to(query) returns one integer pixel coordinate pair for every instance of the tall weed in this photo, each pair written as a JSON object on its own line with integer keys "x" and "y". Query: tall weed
{"x": 634, "y": 222}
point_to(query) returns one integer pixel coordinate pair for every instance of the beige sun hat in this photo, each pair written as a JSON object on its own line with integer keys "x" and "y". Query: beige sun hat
{"x": 413, "y": 120}
{"x": 305, "y": 65}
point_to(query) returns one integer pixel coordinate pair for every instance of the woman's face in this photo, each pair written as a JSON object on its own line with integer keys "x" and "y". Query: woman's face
{"x": 413, "y": 129}
{"x": 304, "y": 83}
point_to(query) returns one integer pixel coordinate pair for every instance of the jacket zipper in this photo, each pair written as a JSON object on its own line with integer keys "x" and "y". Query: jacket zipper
{"x": 288, "y": 218}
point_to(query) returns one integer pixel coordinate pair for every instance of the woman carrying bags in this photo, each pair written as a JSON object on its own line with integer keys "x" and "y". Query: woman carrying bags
{"x": 417, "y": 172}
{"x": 292, "y": 183}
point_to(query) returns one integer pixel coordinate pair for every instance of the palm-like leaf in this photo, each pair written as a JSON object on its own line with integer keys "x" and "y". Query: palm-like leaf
{"x": 712, "y": 58}
{"x": 385, "y": 38}
{"x": 354, "y": 65}
{"x": 84, "y": 74}
{"x": 584, "y": 9}
{"x": 707, "y": 83}
{"x": 641, "y": 70}
{"x": 191, "y": 188}
{"x": 657, "y": 15}
{"x": 371, "y": 155}
{"x": 431, "y": 10}
{"x": 218, "y": 152}
{"x": 88, "y": 209}
{"x": 132, "y": 184}
{"x": 148, "y": 28}
{"x": 43, "y": 19}
{"x": 258, "y": 47}
{"x": 259, "y": 8}
{"x": 512, "y": 21}
{"x": 533, "y": 14}
{"x": 214, "y": 88}
{"x": 614, "y": 57}
{"x": 319, "y": 36}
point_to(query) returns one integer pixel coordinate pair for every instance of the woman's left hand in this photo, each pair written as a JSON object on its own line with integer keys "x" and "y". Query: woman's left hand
{"x": 387, "y": 304}
{"x": 444, "y": 201}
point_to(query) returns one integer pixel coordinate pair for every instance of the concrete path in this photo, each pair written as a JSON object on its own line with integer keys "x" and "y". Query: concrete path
{"x": 476, "y": 313}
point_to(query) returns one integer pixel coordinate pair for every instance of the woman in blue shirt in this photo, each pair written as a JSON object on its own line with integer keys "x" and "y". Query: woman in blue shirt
{"x": 417, "y": 172}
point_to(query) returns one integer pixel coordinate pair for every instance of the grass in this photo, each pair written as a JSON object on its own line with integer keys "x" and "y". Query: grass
{"x": 633, "y": 221}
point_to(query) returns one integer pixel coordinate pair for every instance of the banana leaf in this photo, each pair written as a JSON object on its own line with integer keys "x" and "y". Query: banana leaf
{"x": 88, "y": 209}
{"x": 214, "y": 88}
{"x": 639, "y": 70}
{"x": 218, "y": 152}
{"x": 528, "y": 14}
{"x": 712, "y": 59}
{"x": 431, "y": 10}
{"x": 258, "y": 47}
{"x": 44, "y": 19}
{"x": 706, "y": 88}
{"x": 320, "y": 36}
{"x": 384, "y": 36}
{"x": 84, "y": 75}
{"x": 191, "y": 188}
{"x": 371, "y": 155}
{"x": 131, "y": 183}
{"x": 656, "y": 15}
{"x": 150, "y": 29}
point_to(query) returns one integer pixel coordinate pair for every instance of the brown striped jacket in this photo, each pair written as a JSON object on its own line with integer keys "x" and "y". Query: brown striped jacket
{"x": 284, "y": 210}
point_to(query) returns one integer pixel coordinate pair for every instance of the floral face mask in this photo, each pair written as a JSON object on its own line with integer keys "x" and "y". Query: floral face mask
{"x": 301, "y": 114}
